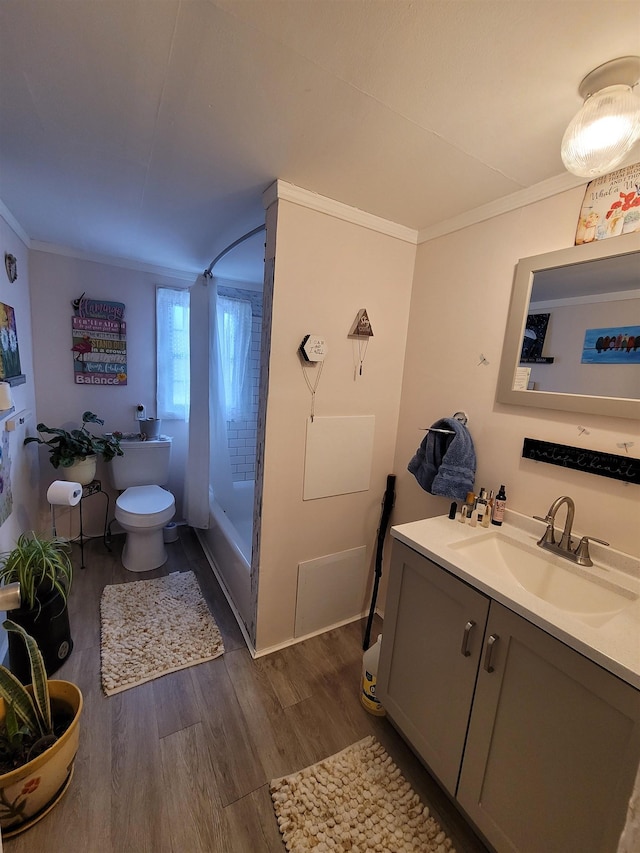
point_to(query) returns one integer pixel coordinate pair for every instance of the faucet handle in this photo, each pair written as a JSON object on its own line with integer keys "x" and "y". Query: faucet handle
{"x": 547, "y": 536}
{"x": 582, "y": 551}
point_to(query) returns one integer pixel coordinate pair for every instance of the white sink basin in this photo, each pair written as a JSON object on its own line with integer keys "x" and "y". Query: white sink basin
{"x": 565, "y": 585}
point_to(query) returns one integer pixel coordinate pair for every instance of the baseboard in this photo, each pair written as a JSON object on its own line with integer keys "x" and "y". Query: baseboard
{"x": 295, "y": 640}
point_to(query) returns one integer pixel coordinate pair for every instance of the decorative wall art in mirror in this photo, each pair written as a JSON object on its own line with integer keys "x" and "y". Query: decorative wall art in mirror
{"x": 595, "y": 286}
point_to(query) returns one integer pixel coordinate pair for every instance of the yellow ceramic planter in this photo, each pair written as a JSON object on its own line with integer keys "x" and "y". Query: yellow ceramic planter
{"x": 28, "y": 792}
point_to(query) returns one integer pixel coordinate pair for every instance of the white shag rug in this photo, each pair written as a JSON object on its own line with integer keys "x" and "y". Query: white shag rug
{"x": 355, "y": 801}
{"x": 150, "y": 628}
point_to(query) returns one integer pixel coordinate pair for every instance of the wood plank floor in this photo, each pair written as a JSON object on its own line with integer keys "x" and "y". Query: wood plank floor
{"x": 182, "y": 764}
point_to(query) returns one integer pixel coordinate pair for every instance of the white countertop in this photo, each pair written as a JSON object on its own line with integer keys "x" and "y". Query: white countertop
{"x": 614, "y": 644}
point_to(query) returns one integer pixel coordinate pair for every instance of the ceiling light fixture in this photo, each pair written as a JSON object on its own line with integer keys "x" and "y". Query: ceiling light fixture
{"x": 607, "y": 126}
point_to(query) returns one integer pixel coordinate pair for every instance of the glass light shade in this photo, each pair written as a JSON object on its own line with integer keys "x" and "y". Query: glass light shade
{"x": 602, "y": 133}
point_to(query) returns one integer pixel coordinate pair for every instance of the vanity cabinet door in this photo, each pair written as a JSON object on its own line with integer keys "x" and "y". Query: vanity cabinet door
{"x": 431, "y": 645}
{"x": 553, "y": 745}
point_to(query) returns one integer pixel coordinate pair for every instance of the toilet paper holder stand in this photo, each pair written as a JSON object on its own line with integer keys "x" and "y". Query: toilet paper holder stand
{"x": 92, "y": 488}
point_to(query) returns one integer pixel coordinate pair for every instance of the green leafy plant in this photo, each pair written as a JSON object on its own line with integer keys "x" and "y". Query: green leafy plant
{"x": 69, "y": 446}
{"x": 40, "y": 565}
{"x": 27, "y": 729}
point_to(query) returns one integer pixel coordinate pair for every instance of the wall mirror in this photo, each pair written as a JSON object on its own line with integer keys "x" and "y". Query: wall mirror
{"x": 584, "y": 289}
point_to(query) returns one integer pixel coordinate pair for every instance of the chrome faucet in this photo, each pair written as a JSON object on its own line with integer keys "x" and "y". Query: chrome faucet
{"x": 564, "y": 547}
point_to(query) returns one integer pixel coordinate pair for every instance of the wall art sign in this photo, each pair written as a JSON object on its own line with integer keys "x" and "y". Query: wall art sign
{"x": 610, "y": 465}
{"x": 10, "y": 370}
{"x": 618, "y": 345}
{"x": 611, "y": 206}
{"x": 99, "y": 342}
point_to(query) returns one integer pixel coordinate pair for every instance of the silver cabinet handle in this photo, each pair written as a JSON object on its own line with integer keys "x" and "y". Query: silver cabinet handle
{"x": 488, "y": 665}
{"x": 466, "y": 637}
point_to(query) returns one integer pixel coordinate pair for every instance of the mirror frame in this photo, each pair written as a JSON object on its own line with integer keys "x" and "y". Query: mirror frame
{"x": 619, "y": 407}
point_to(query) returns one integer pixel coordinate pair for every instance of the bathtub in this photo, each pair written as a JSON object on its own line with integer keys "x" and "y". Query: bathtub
{"x": 227, "y": 545}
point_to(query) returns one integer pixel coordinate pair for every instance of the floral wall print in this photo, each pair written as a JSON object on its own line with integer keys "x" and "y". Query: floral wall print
{"x": 99, "y": 342}
{"x": 611, "y": 206}
{"x": 9, "y": 353}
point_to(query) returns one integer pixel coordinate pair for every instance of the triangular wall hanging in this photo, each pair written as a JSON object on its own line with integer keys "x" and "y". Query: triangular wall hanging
{"x": 361, "y": 327}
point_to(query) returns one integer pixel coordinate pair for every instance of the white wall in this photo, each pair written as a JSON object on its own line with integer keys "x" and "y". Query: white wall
{"x": 55, "y": 281}
{"x": 326, "y": 269}
{"x": 24, "y": 469}
{"x": 461, "y": 293}
{"x": 24, "y": 465}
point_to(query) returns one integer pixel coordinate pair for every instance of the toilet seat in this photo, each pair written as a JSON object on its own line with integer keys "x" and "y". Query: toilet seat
{"x": 145, "y": 506}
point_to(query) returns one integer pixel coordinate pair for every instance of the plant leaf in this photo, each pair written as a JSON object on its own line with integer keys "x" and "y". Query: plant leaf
{"x": 11, "y": 722}
{"x": 38, "y": 678}
{"x": 14, "y": 694}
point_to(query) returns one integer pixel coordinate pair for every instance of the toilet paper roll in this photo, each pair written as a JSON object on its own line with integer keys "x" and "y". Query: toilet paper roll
{"x": 64, "y": 493}
{"x": 5, "y": 396}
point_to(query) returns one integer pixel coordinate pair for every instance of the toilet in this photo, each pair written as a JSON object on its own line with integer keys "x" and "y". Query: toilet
{"x": 143, "y": 507}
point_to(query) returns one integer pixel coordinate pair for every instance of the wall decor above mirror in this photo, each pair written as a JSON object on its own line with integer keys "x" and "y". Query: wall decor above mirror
{"x": 582, "y": 288}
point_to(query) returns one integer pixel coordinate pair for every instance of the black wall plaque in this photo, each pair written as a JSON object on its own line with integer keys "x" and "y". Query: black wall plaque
{"x": 611, "y": 465}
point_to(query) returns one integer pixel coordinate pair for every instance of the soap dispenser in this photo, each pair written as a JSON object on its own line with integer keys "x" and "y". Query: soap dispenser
{"x": 499, "y": 506}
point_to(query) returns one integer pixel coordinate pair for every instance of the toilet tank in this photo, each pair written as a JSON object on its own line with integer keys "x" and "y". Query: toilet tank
{"x": 145, "y": 463}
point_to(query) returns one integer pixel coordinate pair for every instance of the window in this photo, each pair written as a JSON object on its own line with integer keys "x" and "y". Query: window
{"x": 234, "y": 331}
{"x": 172, "y": 345}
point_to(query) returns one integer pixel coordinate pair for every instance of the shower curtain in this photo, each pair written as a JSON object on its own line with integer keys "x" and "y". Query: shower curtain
{"x": 208, "y": 461}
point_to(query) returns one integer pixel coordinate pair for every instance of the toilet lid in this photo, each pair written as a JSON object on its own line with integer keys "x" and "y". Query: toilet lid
{"x": 143, "y": 500}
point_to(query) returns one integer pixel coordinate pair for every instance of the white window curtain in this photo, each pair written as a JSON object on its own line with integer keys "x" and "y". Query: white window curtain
{"x": 172, "y": 347}
{"x": 234, "y": 336}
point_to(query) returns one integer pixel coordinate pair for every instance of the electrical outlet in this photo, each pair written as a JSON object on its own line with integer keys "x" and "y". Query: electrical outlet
{"x": 141, "y": 414}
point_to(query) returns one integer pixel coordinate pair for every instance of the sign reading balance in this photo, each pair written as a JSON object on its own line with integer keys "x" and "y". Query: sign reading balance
{"x": 99, "y": 342}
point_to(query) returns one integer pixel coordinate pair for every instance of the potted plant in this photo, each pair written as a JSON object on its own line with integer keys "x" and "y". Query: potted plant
{"x": 75, "y": 451}
{"x": 43, "y": 569}
{"x": 39, "y": 734}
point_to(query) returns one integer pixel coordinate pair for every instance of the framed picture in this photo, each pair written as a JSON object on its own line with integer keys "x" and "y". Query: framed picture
{"x": 611, "y": 206}
{"x": 10, "y": 370}
{"x": 617, "y": 345}
{"x": 533, "y": 340}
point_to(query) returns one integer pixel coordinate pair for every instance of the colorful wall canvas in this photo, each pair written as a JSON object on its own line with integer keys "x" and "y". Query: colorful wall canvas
{"x": 6, "y": 495}
{"x": 618, "y": 345}
{"x": 99, "y": 342}
{"x": 9, "y": 352}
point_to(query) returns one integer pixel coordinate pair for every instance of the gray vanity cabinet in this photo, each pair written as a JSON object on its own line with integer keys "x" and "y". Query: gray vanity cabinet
{"x": 553, "y": 744}
{"x": 538, "y": 744}
{"x": 431, "y": 645}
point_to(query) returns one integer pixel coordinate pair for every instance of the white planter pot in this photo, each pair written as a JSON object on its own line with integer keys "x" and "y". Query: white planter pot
{"x": 83, "y": 471}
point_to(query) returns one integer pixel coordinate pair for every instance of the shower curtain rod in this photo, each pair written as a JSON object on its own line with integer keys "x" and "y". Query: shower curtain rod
{"x": 207, "y": 273}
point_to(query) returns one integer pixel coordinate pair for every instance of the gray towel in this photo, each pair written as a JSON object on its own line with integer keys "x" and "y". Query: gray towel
{"x": 445, "y": 464}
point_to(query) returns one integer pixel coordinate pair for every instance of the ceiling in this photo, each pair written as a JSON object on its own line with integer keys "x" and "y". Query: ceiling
{"x": 149, "y": 129}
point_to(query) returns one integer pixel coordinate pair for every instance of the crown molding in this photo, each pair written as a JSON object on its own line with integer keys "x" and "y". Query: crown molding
{"x": 521, "y": 198}
{"x": 305, "y": 198}
{"x": 113, "y": 261}
{"x": 12, "y": 222}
